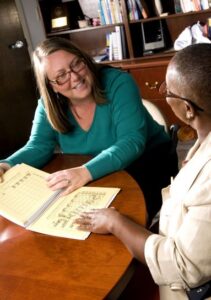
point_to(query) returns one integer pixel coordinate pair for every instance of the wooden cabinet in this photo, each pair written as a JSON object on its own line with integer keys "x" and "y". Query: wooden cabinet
{"x": 149, "y": 74}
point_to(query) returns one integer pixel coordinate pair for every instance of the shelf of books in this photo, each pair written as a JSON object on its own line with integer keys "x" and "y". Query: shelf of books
{"x": 114, "y": 29}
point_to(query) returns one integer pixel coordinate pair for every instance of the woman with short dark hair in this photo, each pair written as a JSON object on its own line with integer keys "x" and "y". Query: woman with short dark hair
{"x": 179, "y": 256}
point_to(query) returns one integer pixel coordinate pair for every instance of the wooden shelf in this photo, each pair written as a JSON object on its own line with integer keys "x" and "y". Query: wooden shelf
{"x": 173, "y": 16}
{"x": 61, "y": 32}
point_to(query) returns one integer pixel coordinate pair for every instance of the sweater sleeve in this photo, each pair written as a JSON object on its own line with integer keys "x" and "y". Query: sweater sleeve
{"x": 129, "y": 120}
{"x": 41, "y": 144}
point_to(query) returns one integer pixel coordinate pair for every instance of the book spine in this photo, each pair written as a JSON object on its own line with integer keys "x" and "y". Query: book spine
{"x": 204, "y": 4}
{"x": 158, "y": 7}
{"x": 196, "y": 5}
{"x": 118, "y": 11}
{"x": 101, "y": 13}
{"x": 115, "y": 46}
{"x": 130, "y": 11}
{"x": 209, "y": 28}
{"x": 177, "y": 7}
{"x": 113, "y": 12}
{"x": 136, "y": 14}
{"x": 182, "y": 6}
{"x": 119, "y": 42}
{"x": 145, "y": 10}
{"x": 124, "y": 48}
{"x": 110, "y": 47}
{"x": 139, "y": 8}
{"x": 186, "y": 5}
{"x": 104, "y": 8}
{"x": 107, "y": 4}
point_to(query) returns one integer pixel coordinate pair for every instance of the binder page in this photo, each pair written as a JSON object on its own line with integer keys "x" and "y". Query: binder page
{"x": 59, "y": 219}
{"x": 22, "y": 192}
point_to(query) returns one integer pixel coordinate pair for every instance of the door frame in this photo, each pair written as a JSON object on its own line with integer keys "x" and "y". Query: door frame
{"x": 31, "y": 22}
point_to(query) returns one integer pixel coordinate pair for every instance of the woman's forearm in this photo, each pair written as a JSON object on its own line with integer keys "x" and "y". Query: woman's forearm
{"x": 132, "y": 235}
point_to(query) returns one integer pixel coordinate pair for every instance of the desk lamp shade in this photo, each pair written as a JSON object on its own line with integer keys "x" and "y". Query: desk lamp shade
{"x": 59, "y": 17}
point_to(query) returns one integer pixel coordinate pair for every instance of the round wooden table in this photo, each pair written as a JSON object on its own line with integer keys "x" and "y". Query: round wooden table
{"x": 36, "y": 266}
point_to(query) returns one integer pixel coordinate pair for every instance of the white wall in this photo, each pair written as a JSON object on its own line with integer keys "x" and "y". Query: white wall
{"x": 30, "y": 16}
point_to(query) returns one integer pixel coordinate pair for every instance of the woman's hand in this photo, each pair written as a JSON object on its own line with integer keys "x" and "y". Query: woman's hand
{"x": 69, "y": 179}
{"x": 98, "y": 220}
{"x": 3, "y": 168}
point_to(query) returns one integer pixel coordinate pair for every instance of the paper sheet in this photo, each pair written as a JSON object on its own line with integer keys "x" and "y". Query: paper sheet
{"x": 24, "y": 191}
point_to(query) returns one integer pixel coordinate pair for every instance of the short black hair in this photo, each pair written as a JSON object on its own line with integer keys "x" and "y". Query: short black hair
{"x": 193, "y": 64}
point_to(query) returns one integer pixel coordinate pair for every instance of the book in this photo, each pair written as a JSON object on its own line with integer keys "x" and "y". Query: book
{"x": 196, "y": 5}
{"x": 204, "y": 4}
{"x": 139, "y": 9}
{"x": 110, "y": 55}
{"x": 186, "y": 5}
{"x": 105, "y": 12}
{"x": 177, "y": 6}
{"x": 119, "y": 43}
{"x": 107, "y": 7}
{"x": 115, "y": 46}
{"x": 124, "y": 47}
{"x": 209, "y": 28}
{"x": 136, "y": 13}
{"x": 145, "y": 10}
{"x": 158, "y": 7}
{"x": 101, "y": 13}
{"x": 130, "y": 10}
{"x": 118, "y": 11}
{"x": 27, "y": 201}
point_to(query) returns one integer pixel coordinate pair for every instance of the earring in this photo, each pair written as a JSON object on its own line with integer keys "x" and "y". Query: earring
{"x": 189, "y": 115}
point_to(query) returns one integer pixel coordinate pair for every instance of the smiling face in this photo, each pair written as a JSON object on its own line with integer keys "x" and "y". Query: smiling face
{"x": 78, "y": 85}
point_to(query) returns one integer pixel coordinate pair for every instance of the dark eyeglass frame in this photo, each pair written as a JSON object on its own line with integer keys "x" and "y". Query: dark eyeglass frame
{"x": 163, "y": 90}
{"x": 71, "y": 69}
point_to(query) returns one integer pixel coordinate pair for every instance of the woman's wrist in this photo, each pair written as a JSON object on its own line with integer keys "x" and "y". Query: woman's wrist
{"x": 114, "y": 222}
{"x": 4, "y": 167}
{"x": 87, "y": 174}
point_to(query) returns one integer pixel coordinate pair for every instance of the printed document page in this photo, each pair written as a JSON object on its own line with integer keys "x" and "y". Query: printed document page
{"x": 24, "y": 192}
{"x": 59, "y": 218}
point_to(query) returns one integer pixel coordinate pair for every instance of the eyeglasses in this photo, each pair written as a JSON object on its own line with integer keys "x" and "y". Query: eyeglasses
{"x": 76, "y": 67}
{"x": 168, "y": 94}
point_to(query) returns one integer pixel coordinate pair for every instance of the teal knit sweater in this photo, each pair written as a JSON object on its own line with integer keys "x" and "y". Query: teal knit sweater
{"x": 121, "y": 131}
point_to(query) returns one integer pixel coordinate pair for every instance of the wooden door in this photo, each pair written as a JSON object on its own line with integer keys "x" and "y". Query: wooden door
{"x": 18, "y": 95}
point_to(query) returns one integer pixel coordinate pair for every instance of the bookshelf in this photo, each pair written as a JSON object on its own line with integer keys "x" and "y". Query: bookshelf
{"x": 93, "y": 38}
{"x": 148, "y": 70}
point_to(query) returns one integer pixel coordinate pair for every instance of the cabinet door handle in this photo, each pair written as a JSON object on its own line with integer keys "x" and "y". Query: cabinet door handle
{"x": 152, "y": 86}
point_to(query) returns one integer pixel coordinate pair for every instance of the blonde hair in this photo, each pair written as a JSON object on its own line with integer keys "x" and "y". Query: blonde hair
{"x": 56, "y": 105}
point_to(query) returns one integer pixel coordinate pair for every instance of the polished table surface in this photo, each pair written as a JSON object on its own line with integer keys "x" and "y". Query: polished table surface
{"x": 36, "y": 266}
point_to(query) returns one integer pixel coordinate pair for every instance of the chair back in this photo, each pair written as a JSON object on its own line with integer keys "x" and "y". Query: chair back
{"x": 156, "y": 113}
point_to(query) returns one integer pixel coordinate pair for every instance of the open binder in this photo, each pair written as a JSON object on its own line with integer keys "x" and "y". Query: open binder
{"x": 26, "y": 200}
